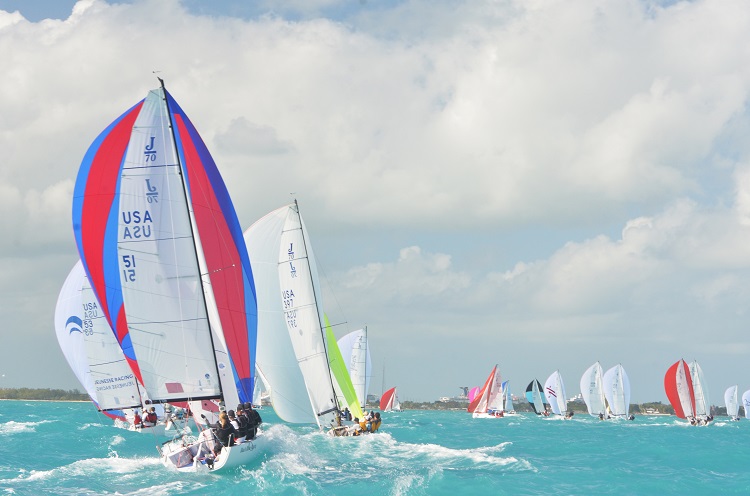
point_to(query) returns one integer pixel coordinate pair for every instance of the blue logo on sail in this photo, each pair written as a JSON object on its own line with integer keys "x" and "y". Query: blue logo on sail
{"x": 73, "y": 324}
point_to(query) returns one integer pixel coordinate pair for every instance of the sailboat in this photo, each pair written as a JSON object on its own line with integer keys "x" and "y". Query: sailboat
{"x": 746, "y": 403}
{"x": 488, "y": 403}
{"x": 162, "y": 246}
{"x": 679, "y": 384}
{"x": 389, "y": 401}
{"x": 92, "y": 352}
{"x": 617, "y": 392}
{"x": 355, "y": 349}
{"x": 554, "y": 390}
{"x": 280, "y": 245}
{"x": 592, "y": 391}
{"x": 535, "y": 397}
{"x": 508, "y": 408}
{"x": 730, "y": 400}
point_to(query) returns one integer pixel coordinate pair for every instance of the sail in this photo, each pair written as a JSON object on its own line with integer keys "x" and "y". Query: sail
{"x": 473, "y": 393}
{"x": 554, "y": 389}
{"x": 534, "y": 396}
{"x": 507, "y": 397}
{"x": 338, "y": 369}
{"x": 484, "y": 398}
{"x": 355, "y": 349}
{"x": 730, "y": 400}
{"x": 700, "y": 391}
{"x": 303, "y": 309}
{"x": 386, "y": 401}
{"x": 91, "y": 349}
{"x": 679, "y": 388}
{"x": 592, "y": 390}
{"x": 746, "y": 403}
{"x": 159, "y": 238}
{"x": 276, "y": 360}
{"x": 617, "y": 390}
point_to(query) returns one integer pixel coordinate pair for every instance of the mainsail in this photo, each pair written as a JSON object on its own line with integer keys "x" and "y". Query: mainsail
{"x": 746, "y": 403}
{"x": 700, "y": 391}
{"x": 303, "y": 310}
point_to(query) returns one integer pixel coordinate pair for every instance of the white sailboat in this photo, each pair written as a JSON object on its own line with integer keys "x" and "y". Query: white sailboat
{"x": 508, "y": 408}
{"x": 592, "y": 391}
{"x": 184, "y": 276}
{"x": 301, "y": 312}
{"x": 554, "y": 390}
{"x": 730, "y": 400}
{"x": 617, "y": 392}
{"x": 700, "y": 391}
{"x": 355, "y": 349}
{"x": 746, "y": 403}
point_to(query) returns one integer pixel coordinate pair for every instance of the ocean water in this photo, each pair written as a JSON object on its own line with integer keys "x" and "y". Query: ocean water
{"x": 70, "y": 449}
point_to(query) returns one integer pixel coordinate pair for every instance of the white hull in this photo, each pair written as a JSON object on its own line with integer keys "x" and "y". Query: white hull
{"x": 192, "y": 457}
{"x": 491, "y": 415}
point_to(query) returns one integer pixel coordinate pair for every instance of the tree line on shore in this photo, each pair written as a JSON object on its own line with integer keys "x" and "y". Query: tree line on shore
{"x": 42, "y": 394}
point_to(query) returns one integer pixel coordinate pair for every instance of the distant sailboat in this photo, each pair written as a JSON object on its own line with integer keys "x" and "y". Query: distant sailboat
{"x": 746, "y": 403}
{"x": 535, "y": 397}
{"x": 508, "y": 408}
{"x": 688, "y": 400}
{"x": 592, "y": 391}
{"x": 355, "y": 349}
{"x": 554, "y": 389}
{"x": 488, "y": 403}
{"x": 473, "y": 393}
{"x": 617, "y": 392}
{"x": 730, "y": 400}
{"x": 389, "y": 401}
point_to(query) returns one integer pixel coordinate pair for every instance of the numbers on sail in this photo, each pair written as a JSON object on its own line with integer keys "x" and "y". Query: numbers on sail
{"x": 152, "y": 194}
{"x": 128, "y": 271}
{"x": 291, "y": 318}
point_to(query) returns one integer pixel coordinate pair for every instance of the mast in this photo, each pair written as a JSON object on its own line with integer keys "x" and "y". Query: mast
{"x": 367, "y": 348}
{"x": 196, "y": 238}
{"x": 317, "y": 312}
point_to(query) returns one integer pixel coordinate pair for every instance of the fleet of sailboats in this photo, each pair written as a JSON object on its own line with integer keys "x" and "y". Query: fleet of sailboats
{"x": 165, "y": 308}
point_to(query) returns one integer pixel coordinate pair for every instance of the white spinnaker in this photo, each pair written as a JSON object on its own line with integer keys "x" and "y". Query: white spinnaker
{"x": 592, "y": 390}
{"x": 275, "y": 358}
{"x": 746, "y": 403}
{"x": 617, "y": 390}
{"x": 702, "y": 405}
{"x": 69, "y": 328}
{"x": 355, "y": 349}
{"x": 115, "y": 384}
{"x": 303, "y": 310}
{"x": 159, "y": 272}
{"x": 554, "y": 390}
{"x": 730, "y": 400}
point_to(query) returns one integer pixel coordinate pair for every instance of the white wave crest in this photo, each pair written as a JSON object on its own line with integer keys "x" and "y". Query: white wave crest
{"x": 13, "y": 427}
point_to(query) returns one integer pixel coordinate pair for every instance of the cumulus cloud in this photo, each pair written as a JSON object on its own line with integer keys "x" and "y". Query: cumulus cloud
{"x": 428, "y": 117}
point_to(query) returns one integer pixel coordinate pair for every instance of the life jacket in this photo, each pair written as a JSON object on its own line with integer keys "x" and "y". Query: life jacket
{"x": 137, "y": 420}
{"x": 375, "y": 425}
{"x": 151, "y": 417}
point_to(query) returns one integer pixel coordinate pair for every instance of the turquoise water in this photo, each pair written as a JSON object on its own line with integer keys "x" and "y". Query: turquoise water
{"x": 69, "y": 448}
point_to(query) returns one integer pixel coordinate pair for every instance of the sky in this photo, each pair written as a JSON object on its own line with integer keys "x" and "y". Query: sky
{"x": 535, "y": 184}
